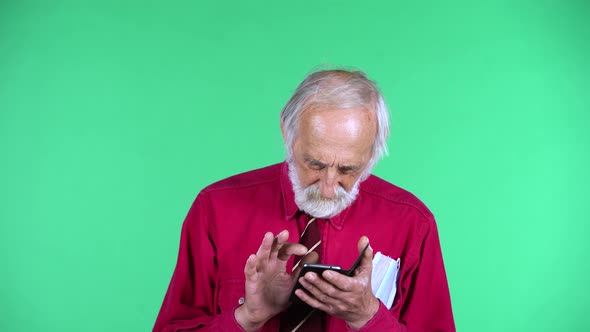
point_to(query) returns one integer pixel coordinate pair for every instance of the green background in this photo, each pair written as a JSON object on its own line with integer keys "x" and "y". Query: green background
{"x": 114, "y": 114}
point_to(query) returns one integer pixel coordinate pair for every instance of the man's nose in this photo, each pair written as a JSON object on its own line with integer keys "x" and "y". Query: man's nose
{"x": 329, "y": 184}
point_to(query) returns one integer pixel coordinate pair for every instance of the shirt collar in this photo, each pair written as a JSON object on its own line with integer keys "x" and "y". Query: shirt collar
{"x": 290, "y": 208}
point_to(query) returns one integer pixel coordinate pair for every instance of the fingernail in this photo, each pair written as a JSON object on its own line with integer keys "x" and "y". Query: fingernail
{"x": 328, "y": 274}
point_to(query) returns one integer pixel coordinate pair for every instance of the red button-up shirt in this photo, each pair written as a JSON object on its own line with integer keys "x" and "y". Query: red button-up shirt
{"x": 228, "y": 220}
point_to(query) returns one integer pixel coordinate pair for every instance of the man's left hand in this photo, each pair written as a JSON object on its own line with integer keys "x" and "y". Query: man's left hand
{"x": 348, "y": 298}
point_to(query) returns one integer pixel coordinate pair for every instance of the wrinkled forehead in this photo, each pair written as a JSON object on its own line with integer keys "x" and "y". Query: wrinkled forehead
{"x": 328, "y": 117}
{"x": 332, "y": 131}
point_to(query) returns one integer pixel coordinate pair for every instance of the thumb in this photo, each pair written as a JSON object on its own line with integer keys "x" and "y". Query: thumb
{"x": 366, "y": 265}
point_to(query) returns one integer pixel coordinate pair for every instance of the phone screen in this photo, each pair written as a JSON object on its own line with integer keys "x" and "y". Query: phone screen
{"x": 320, "y": 268}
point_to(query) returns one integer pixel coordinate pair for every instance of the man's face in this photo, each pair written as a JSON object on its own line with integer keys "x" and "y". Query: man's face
{"x": 330, "y": 153}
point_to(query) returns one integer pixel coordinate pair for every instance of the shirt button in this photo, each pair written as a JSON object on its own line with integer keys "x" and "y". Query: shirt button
{"x": 241, "y": 300}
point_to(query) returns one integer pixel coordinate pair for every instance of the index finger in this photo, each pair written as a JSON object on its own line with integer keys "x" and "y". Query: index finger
{"x": 278, "y": 242}
{"x": 266, "y": 245}
{"x": 338, "y": 280}
{"x": 288, "y": 249}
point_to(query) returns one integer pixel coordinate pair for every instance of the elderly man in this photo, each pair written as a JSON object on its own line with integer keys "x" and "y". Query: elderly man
{"x": 237, "y": 264}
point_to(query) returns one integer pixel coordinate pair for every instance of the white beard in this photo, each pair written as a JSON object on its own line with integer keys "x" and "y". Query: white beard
{"x": 311, "y": 201}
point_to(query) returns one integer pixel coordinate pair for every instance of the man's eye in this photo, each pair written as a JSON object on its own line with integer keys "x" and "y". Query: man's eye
{"x": 347, "y": 170}
{"x": 317, "y": 167}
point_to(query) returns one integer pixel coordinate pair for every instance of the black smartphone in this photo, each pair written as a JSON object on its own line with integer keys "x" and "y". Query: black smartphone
{"x": 320, "y": 268}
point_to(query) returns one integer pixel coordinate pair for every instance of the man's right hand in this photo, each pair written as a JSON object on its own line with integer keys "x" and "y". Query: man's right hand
{"x": 268, "y": 285}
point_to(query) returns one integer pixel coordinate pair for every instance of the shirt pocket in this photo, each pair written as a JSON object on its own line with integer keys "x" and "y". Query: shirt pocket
{"x": 231, "y": 293}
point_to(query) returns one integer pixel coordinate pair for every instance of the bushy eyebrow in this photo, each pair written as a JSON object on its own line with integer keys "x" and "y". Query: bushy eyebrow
{"x": 345, "y": 169}
{"x": 342, "y": 169}
{"x": 314, "y": 162}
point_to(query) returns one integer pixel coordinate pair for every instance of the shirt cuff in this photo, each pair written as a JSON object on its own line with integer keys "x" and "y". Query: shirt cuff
{"x": 233, "y": 317}
{"x": 380, "y": 319}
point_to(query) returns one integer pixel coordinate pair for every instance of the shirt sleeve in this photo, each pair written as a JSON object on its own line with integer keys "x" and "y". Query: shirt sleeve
{"x": 427, "y": 305}
{"x": 382, "y": 321}
{"x": 190, "y": 302}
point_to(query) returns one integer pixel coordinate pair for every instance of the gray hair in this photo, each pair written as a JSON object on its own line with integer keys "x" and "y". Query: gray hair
{"x": 338, "y": 89}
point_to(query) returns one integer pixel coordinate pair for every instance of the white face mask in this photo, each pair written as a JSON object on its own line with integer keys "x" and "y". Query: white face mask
{"x": 310, "y": 200}
{"x": 384, "y": 277}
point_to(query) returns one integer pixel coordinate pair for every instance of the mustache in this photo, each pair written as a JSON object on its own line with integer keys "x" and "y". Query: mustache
{"x": 313, "y": 192}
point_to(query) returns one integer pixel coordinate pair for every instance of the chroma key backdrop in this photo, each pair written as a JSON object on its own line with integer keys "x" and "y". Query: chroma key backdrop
{"x": 114, "y": 114}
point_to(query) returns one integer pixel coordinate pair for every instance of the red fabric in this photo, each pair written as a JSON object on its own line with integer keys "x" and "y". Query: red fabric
{"x": 227, "y": 222}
